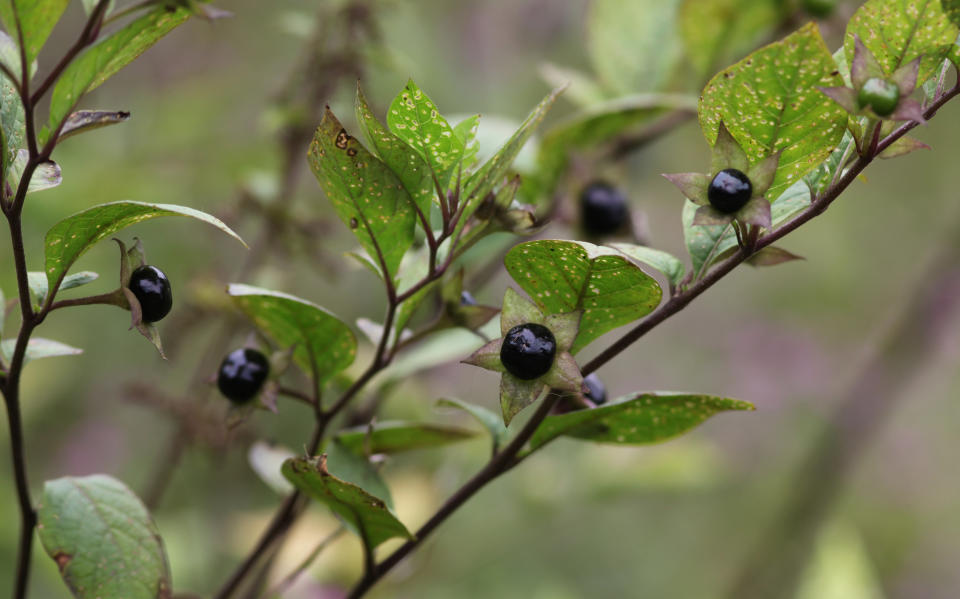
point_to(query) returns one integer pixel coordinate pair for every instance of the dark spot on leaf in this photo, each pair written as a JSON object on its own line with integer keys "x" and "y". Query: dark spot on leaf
{"x": 834, "y": 73}
{"x": 354, "y": 223}
{"x": 352, "y": 152}
{"x": 342, "y": 139}
{"x": 62, "y": 559}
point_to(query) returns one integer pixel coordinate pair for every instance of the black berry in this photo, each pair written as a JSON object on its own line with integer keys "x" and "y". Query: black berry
{"x": 880, "y": 95}
{"x": 729, "y": 190}
{"x": 467, "y": 299}
{"x": 241, "y": 374}
{"x": 528, "y": 350}
{"x": 603, "y": 208}
{"x": 596, "y": 390}
{"x": 152, "y": 289}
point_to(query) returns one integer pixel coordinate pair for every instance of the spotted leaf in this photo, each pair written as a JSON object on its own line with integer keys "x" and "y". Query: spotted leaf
{"x": 564, "y": 276}
{"x": 770, "y": 102}
{"x": 367, "y": 196}
{"x": 899, "y": 31}
{"x": 414, "y": 118}
{"x": 639, "y": 419}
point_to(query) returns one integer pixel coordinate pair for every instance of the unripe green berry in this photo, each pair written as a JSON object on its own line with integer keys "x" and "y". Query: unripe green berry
{"x": 880, "y": 95}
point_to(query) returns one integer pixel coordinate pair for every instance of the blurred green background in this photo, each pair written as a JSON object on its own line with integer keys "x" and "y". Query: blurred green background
{"x": 681, "y": 519}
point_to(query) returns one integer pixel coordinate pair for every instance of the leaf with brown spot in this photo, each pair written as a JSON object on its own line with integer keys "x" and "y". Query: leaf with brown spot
{"x": 367, "y": 196}
{"x": 103, "y": 539}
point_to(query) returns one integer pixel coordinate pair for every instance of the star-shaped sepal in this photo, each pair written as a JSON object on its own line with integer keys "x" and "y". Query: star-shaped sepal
{"x": 728, "y": 154}
{"x": 563, "y": 375}
{"x": 875, "y": 94}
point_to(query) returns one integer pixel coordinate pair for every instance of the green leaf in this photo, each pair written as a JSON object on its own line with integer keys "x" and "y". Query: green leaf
{"x": 12, "y": 115}
{"x": 639, "y": 419}
{"x": 666, "y": 263}
{"x": 770, "y": 102}
{"x": 634, "y": 45}
{"x": 820, "y": 178}
{"x": 718, "y": 32}
{"x": 102, "y": 60}
{"x": 493, "y": 171}
{"x": 45, "y": 176}
{"x": 491, "y": 421}
{"x": 37, "y": 348}
{"x": 70, "y": 238}
{"x": 82, "y": 121}
{"x": 366, "y": 514}
{"x": 367, "y": 196}
{"x": 37, "y": 281}
{"x": 415, "y": 119}
{"x": 466, "y": 132}
{"x": 582, "y": 89}
{"x": 563, "y": 276}
{"x": 36, "y": 18}
{"x": 898, "y": 31}
{"x": 103, "y": 539}
{"x": 355, "y": 468}
{"x": 708, "y": 244}
{"x": 395, "y": 436}
{"x": 320, "y": 340}
{"x": 399, "y": 157}
{"x": 597, "y": 125}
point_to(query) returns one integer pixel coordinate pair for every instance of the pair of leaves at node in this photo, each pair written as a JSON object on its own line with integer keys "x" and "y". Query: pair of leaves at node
{"x": 382, "y": 197}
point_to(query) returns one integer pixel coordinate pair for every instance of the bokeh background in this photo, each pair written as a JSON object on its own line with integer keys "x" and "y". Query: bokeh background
{"x": 687, "y": 519}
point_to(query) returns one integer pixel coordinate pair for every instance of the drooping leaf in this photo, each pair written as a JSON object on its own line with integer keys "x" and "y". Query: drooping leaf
{"x": 707, "y": 244}
{"x": 491, "y": 421}
{"x": 70, "y": 238}
{"x": 354, "y": 467}
{"x": 634, "y": 45}
{"x": 46, "y": 175}
{"x": 103, "y": 539}
{"x": 102, "y": 60}
{"x": 415, "y": 119}
{"x": 639, "y": 419}
{"x": 87, "y": 120}
{"x": 899, "y": 31}
{"x": 267, "y": 460}
{"x": 36, "y": 19}
{"x": 491, "y": 174}
{"x": 364, "y": 513}
{"x": 718, "y": 32}
{"x": 320, "y": 340}
{"x": 564, "y": 276}
{"x": 395, "y": 436}
{"x": 367, "y": 196}
{"x": 38, "y": 347}
{"x": 770, "y": 102}
{"x": 666, "y": 263}
{"x": 399, "y": 157}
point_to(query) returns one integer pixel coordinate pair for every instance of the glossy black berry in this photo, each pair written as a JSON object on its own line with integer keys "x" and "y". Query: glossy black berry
{"x": 880, "y": 95}
{"x": 596, "y": 391}
{"x": 152, "y": 289}
{"x": 603, "y": 208}
{"x": 467, "y": 299}
{"x": 242, "y": 374}
{"x": 528, "y": 350}
{"x": 729, "y": 190}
